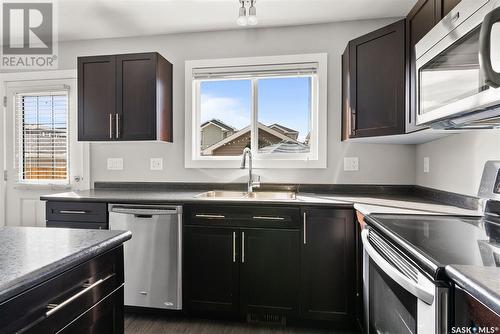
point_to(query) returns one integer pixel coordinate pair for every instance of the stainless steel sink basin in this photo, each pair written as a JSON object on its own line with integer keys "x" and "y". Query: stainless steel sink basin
{"x": 222, "y": 194}
{"x": 270, "y": 195}
{"x": 259, "y": 195}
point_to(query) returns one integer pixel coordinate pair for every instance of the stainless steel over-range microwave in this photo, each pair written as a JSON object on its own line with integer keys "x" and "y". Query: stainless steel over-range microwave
{"x": 458, "y": 68}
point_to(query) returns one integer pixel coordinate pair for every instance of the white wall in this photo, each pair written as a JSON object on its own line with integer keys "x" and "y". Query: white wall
{"x": 379, "y": 164}
{"x": 456, "y": 162}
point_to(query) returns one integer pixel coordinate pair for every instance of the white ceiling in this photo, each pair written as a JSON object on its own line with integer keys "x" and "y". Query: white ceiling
{"x": 90, "y": 19}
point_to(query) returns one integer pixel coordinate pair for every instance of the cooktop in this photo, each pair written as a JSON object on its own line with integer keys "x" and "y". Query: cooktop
{"x": 436, "y": 241}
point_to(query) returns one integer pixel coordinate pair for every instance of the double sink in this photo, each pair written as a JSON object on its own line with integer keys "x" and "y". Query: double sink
{"x": 239, "y": 195}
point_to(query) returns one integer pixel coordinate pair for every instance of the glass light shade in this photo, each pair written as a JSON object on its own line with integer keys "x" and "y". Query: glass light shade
{"x": 242, "y": 17}
{"x": 252, "y": 16}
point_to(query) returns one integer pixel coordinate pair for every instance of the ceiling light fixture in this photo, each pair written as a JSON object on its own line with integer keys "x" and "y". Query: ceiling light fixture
{"x": 252, "y": 14}
{"x": 251, "y": 19}
{"x": 242, "y": 17}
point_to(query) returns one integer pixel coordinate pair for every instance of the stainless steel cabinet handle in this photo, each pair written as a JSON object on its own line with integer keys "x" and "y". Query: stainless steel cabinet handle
{"x": 305, "y": 228}
{"x": 210, "y": 216}
{"x": 234, "y": 246}
{"x": 242, "y": 247}
{"x": 268, "y": 218}
{"x": 56, "y": 307}
{"x": 117, "y": 123}
{"x": 110, "y": 126}
{"x": 73, "y": 212}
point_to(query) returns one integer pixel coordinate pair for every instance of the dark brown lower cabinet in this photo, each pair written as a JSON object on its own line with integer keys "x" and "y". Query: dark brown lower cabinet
{"x": 85, "y": 299}
{"x": 327, "y": 285}
{"x": 210, "y": 269}
{"x": 269, "y": 271}
{"x": 104, "y": 317}
{"x": 270, "y": 263}
{"x": 471, "y": 316}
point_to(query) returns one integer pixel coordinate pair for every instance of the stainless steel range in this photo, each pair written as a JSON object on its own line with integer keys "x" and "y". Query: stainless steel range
{"x": 405, "y": 282}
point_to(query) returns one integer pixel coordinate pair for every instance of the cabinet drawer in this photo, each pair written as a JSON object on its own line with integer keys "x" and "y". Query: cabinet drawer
{"x": 243, "y": 216}
{"x": 77, "y": 211}
{"x": 51, "y": 305}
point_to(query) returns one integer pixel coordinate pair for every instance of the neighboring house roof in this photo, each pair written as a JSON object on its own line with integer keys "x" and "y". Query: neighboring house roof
{"x": 242, "y": 132}
{"x": 219, "y": 124}
{"x": 282, "y": 128}
{"x": 286, "y": 147}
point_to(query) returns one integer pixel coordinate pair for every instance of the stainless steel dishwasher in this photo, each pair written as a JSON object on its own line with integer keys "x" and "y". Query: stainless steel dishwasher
{"x": 153, "y": 259}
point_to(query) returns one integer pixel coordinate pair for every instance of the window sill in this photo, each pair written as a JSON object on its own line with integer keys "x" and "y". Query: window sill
{"x": 235, "y": 163}
{"x": 29, "y": 186}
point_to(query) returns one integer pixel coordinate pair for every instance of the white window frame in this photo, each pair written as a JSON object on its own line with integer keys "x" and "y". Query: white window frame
{"x": 22, "y": 81}
{"x": 19, "y": 150}
{"x": 317, "y": 158}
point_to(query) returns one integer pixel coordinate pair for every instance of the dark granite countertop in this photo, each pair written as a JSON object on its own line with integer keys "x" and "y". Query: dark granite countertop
{"x": 375, "y": 203}
{"x": 31, "y": 255}
{"x": 482, "y": 283}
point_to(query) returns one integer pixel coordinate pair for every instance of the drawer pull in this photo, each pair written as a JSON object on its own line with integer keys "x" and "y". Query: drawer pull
{"x": 211, "y": 216}
{"x": 268, "y": 218}
{"x": 73, "y": 212}
{"x": 52, "y": 308}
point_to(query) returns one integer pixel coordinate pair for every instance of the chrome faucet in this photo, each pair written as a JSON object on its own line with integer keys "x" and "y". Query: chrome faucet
{"x": 251, "y": 183}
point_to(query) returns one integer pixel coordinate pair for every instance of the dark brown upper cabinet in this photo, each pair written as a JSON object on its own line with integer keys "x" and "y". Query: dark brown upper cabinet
{"x": 445, "y": 6}
{"x": 379, "y": 75}
{"x": 125, "y": 97}
{"x": 373, "y": 83}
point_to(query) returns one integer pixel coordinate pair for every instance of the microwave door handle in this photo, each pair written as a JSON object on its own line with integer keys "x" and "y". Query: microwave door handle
{"x": 492, "y": 78}
{"x": 419, "y": 291}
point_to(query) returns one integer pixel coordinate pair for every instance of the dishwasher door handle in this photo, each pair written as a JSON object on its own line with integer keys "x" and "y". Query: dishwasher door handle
{"x": 138, "y": 211}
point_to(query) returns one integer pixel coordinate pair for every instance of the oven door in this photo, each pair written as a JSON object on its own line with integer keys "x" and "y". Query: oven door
{"x": 458, "y": 68}
{"x": 399, "y": 298}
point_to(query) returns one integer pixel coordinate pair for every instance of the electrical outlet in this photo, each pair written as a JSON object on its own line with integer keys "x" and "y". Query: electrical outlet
{"x": 427, "y": 162}
{"x": 351, "y": 164}
{"x": 115, "y": 163}
{"x": 156, "y": 164}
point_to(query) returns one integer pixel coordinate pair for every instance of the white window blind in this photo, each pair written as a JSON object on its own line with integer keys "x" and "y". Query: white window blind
{"x": 252, "y": 71}
{"x": 42, "y": 137}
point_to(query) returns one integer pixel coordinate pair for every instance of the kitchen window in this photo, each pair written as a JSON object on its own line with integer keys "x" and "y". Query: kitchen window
{"x": 42, "y": 137}
{"x": 276, "y": 106}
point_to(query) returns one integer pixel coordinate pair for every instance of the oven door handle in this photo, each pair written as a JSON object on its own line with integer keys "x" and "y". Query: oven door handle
{"x": 426, "y": 294}
{"x": 492, "y": 77}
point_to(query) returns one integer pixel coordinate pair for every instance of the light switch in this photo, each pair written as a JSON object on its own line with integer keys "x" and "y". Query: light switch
{"x": 427, "y": 163}
{"x": 156, "y": 164}
{"x": 115, "y": 163}
{"x": 351, "y": 164}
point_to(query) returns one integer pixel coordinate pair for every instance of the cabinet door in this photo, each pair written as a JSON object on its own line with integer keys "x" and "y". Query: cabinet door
{"x": 136, "y": 97}
{"x": 96, "y": 98}
{"x": 377, "y": 82}
{"x": 421, "y": 19}
{"x": 269, "y": 271}
{"x": 327, "y": 265}
{"x": 210, "y": 269}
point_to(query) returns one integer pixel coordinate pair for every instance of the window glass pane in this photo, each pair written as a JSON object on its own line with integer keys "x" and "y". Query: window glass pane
{"x": 225, "y": 115}
{"x": 284, "y": 115}
{"x": 42, "y": 138}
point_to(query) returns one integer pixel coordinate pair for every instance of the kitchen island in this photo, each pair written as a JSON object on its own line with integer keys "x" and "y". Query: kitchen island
{"x": 61, "y": 280}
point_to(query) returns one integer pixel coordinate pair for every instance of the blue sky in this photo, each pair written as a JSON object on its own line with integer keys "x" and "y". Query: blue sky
{"x": 281, "y": 100}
